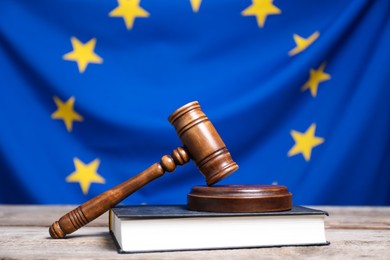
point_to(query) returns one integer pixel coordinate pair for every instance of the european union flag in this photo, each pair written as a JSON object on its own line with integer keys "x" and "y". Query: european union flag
{"x": 298, "y": 90}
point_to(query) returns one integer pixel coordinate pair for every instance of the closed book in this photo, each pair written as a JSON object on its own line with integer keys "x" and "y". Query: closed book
{"x": 150, "y": 228}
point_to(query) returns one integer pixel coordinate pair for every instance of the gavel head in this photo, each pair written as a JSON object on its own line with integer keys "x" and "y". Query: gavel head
{"x": 202, "y": 142}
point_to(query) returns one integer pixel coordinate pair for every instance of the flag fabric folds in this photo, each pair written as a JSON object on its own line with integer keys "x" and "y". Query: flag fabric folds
{"x": 298, "y": 90}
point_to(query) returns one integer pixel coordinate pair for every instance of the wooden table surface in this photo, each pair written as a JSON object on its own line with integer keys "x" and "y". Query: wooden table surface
{"x": 354, "y": 232}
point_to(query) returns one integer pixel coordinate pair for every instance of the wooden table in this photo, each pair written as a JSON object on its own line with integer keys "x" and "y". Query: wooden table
{"x": 353, "y": 232}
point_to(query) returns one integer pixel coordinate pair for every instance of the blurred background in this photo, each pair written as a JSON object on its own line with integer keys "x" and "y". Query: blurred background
{"x": 298, "y": 90}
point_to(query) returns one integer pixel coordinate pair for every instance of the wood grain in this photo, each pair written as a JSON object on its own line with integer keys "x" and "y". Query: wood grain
{"x": 96, "y": 243}
{"x": 358, "y": 218}
{"x": 30, "y": 215}
{"x": 354, "y": 232}
{"x": 339, "y": 217}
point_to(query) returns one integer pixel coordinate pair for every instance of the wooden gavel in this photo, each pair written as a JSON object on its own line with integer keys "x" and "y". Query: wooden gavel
{"x": 201, "y": 143}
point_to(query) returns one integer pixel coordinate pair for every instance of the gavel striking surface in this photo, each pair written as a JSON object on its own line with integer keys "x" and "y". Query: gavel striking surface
{"x": 239, "y": 198}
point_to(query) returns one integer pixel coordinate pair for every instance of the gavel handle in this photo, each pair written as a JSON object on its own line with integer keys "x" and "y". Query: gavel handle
{"x": 96, "y": 206}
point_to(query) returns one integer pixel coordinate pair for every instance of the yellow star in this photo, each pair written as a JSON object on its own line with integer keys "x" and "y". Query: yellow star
{"x": 305, "y": 142}
{"x": 316, "y": 77}
{"x": 83, "y": 54}
{"x": 195, "y": 4}
{"x": 129, "y": 10}
{"x": 261, "y": 9}
{"x": 66, "y": 112}
{"x": 85, "y": 174}
{"x": 303, "y": 43}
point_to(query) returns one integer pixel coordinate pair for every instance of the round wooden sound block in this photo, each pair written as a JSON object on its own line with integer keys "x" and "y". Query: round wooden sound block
{"x": 239, "y": 198}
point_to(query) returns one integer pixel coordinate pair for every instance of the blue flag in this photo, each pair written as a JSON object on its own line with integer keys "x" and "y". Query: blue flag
{"x": 298, "y": 90}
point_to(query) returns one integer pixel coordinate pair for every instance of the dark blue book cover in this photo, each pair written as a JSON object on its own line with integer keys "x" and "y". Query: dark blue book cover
{"x": 153, "y": 228}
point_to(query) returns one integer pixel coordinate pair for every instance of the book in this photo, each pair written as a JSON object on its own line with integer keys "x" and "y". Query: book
{"x": 149, "y": 228}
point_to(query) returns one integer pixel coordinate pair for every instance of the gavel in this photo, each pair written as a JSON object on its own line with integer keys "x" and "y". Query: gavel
{"x": 201, "y": 143}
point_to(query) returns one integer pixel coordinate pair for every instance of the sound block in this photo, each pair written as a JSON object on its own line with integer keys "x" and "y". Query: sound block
{"x": 239, "y": 198}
